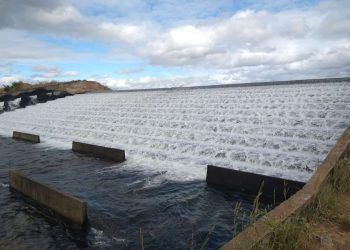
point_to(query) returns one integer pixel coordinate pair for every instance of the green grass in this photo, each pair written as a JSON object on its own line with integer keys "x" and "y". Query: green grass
{"x": 326, "y": 205}
{"x": 340, "y": 177}
{"x": 296, "y": 232}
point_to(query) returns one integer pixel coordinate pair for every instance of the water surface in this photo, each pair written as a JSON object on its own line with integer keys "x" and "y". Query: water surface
{"x": 120, "y": 203}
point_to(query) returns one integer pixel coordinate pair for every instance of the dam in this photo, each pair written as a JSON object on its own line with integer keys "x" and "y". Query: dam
{"x": 169, "y": 138}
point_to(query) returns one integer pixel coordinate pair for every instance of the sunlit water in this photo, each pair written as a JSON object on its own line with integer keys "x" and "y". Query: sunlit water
{"x": 169, "y": 138}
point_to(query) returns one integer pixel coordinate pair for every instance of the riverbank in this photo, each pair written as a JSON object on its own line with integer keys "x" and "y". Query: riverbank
{"x": 71, "y": 87}
{"x": 21, "y": 94}
{"x": 325, "y": 224}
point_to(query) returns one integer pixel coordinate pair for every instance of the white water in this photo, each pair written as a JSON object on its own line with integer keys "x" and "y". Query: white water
{"x": 275, "y": 130}
{"x": 4, "y": 185}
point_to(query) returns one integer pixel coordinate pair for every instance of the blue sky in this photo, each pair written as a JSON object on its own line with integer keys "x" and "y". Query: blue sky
{"x": 145, "y": 44}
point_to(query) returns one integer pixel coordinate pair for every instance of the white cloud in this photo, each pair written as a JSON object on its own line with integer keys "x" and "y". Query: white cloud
{"x": 64, "y": 20}
{"x": 180, "y": 46}
{"x": 259, "y": 43}
{"x": 286, "y": 42}
{"x": 114, "y": 83}
{"x": 60, "y": 15}
{"x": 120, "y": 32}
{"x": 49, "y": 73}
{"x": 71, "y": 73}
{"x": 7, "y": 80}
{"x": 19, "y": 46}
{"x": 45, "y": 72}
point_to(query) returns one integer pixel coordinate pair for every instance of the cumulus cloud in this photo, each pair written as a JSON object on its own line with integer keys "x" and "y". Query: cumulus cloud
{"x": 19, "y": 46}
{"x": 263, "y": 40}
{"x": 64, "y": 20}
{"x": 7, "y": 80}
{"x": 127, "y": 33}
{"x": 248, "y": 38}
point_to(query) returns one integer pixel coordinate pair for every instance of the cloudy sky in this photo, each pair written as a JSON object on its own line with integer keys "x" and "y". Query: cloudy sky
{"x": 142, "y": 44}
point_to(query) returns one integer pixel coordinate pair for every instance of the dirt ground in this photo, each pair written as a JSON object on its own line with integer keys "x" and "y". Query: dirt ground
{"x": 334, "y": 235}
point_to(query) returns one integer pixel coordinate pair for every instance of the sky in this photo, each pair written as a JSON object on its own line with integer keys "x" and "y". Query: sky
{"x": 151, "y": 44}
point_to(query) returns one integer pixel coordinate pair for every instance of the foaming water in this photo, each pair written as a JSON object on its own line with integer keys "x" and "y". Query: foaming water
{"x": 4, "y": 185}
{"x": 121, "y": 201}
{"x": 281, "y": 131}
{"x": 169, "y": 138}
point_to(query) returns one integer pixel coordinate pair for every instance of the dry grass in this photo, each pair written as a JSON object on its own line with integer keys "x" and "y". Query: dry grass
{"x": 142, "y": 244}
{"x": 295, "y": 233}
{"x": 75, "y": 86}
{"x": 298, "y": 232}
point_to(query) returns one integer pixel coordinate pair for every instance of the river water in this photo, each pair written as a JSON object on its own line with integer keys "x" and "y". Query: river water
{"x": 120, "y": 203}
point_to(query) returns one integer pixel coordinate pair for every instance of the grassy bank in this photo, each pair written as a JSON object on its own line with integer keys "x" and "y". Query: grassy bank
{"x": 325, "y": 224}
{"x": 77, "y": 86}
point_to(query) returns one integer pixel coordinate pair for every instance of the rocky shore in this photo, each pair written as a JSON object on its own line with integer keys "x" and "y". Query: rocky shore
{"x": 20, "y": 94}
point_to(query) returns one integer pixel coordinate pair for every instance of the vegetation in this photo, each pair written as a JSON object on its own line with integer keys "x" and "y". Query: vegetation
{"x": 75, "y": 86}
{"x": 292, "y": 234}
{"x": 16, "y": 86}
{"x": 300, "y": 231}
{"x": 142, "y": 244}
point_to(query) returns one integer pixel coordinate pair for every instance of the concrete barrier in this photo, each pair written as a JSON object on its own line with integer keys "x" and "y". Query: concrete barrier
{"x": 259, "y": 230}
{"x": 248, "y": 84}
{"x": 99, "y": 151}
{"x": 273, "y": 188}
{"x": 26, "y": 137}
{"x": 63, "y": 204}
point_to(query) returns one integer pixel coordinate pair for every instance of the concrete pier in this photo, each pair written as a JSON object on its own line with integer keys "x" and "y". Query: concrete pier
{"x": 113, "y": 154}
{"x": 271, "y": 187}
{"x": 65, "y": 205}
{"x": 26, "y": 137}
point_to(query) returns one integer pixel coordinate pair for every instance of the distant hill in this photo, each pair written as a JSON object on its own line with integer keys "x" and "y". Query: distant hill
{"x": 71, "y": 87}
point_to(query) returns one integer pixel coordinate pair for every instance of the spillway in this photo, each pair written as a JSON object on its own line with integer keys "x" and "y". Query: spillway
{"x": 282, "y": 131}
{"x": 169, "y": 137}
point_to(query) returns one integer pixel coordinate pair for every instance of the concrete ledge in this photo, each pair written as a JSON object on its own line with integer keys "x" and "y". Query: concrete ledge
{"x": 248, "y": 84}
{"x": 274, "y": 188}
{"x": 65, "y": 205}
{"x": 25, "y": 137}
{"x": 99, "y": 151}
{"x": 259, "y": 230}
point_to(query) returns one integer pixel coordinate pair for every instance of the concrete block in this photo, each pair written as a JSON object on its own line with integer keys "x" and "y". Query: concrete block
{"x": 99, "y": 151}
{"x": 271, "y": 187}
{"x": 63, "y": 204}
{"x": 259, "y": 230}
{"x": 26, "y": 137}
